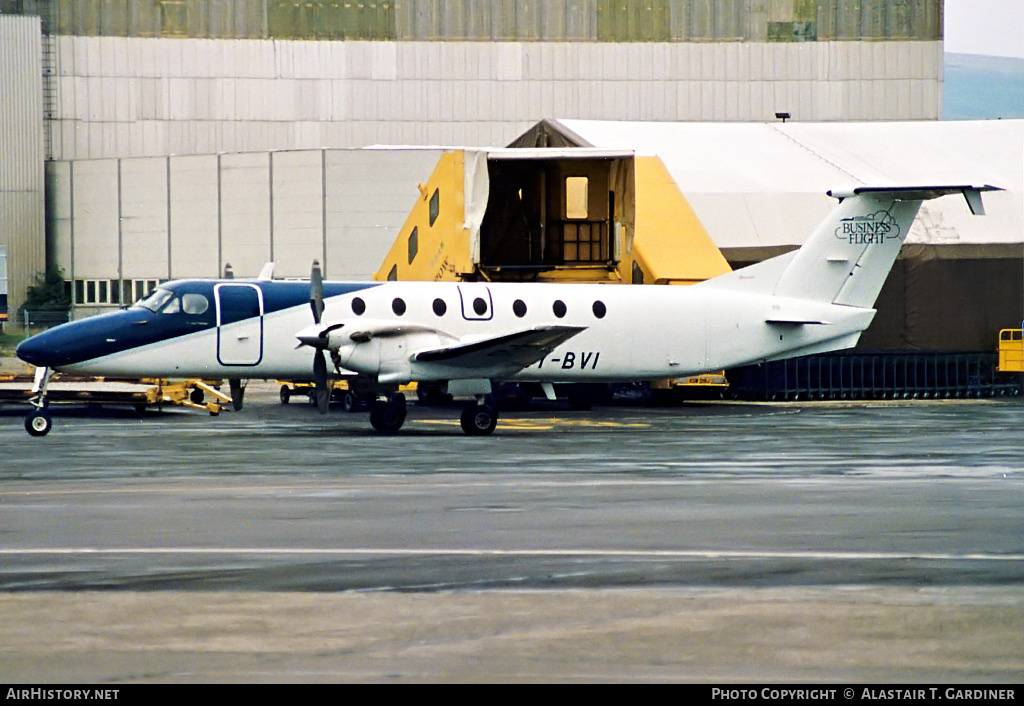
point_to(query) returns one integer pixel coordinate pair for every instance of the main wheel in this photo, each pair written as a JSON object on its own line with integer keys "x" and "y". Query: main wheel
{"x": 349, "y": 401}
{"x": 286, "y": 394}
{"x": 38, "y": 423}
{"x": 479, "y": 419}
{"x": 388, "y": 417}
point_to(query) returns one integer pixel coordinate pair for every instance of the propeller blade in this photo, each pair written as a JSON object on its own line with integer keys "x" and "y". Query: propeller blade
{"x": 323, "y": 392}
{"x": 316, "y": 292}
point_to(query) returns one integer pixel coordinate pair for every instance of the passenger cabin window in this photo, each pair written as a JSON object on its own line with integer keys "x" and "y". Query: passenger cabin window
{"x": 558, "y": 308}
{"x": 398, "y": 306}
{"x": 358, "y": 306}
{"x": 440, "y": 307}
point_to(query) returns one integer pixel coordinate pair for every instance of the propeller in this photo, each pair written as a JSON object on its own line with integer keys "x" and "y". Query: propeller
{"x": 316, "y": 303}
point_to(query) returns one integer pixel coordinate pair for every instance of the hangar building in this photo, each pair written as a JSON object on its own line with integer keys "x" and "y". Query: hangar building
{"x": 145, "y": 79}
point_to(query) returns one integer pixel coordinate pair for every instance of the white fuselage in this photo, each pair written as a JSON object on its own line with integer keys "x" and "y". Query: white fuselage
{"x": 628, "y": 333}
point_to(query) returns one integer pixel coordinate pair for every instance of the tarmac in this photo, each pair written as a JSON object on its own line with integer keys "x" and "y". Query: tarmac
{"x": 734, "y": 636}
{"x": 837, "y": 544}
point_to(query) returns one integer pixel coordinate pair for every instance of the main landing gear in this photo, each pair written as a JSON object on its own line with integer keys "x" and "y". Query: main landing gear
{"x": 388, "y": 416}
{"x": 479, "y": 419}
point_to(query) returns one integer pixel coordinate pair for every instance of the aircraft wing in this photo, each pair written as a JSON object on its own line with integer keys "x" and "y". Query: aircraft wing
{"x": 514, "y": 350}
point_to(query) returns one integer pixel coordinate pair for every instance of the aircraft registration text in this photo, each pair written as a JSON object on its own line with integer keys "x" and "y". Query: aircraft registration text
{"x": 584, "y": 360}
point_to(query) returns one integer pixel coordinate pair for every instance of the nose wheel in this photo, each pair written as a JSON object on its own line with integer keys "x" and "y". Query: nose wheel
{"x": 38, "y": 423}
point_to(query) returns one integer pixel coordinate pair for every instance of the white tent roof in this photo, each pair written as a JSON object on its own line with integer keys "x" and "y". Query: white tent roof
{"x": 765, "y": 184}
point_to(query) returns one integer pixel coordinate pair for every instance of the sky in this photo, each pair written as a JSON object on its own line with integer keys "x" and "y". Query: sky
{"x": 988, "y": 27}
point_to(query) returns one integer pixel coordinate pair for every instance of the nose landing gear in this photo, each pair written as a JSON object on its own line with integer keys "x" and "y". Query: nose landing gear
{"x": 38, "y": 422}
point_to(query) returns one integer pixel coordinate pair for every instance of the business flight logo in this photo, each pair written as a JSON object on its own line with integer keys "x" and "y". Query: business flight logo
{"x": 873, "y": 229}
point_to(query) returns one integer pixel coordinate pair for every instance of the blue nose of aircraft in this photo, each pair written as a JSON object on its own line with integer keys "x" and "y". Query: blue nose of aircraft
{"x": 43, "y": 350}
{"x": 73, "y": 342}
{"x": 96, "y": 337}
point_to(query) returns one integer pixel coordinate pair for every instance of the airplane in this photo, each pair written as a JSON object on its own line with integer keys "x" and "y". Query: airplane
{"x": 469, "y": 335}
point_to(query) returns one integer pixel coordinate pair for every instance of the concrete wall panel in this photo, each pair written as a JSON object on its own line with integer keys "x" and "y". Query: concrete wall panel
{"x": 245, "y": 212}
{"x": 144, "y": 218}
{"x": 58, "y": 215}
{"x": 95, "y": 214}
{"x": 298, "y": 227}
{"x": 195, "y": 249}
{"x": 369, "y": 195}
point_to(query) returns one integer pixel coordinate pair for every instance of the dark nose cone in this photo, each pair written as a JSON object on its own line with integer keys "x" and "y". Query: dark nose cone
{"x": 41, "y": 350}
{"x": 68, "y": 343}
{"x": 91, "y": 338}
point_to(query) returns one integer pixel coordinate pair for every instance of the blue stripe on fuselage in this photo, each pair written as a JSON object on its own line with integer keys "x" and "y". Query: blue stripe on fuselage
{"x": 116, "y": 332}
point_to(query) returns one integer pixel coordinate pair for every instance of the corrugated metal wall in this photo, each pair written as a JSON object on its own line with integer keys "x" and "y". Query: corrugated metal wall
{"x": 22, "y": 200}
{"x": 148, "y": 97}
{"x": 497, "y": 20}
{"x": 127, "y": 95}
{"x": 120, "y": 225}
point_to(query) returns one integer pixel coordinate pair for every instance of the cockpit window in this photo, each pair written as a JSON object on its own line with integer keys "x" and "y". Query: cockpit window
{"x": 165, "y": 301}
{"x": 194, "y": 304}
{"x": 172, "y": 307}
{"x": 155, "y": 301}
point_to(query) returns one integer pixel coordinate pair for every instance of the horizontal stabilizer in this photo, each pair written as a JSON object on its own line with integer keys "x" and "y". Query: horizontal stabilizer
{"x": 519, "y": 349}
{"x": 797, "y": 313}
{"x": 972, "y": 194}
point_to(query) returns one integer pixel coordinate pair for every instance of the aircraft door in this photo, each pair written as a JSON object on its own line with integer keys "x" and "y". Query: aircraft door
{"x": 239, "y": 324}
{"x": 476, "y": 302}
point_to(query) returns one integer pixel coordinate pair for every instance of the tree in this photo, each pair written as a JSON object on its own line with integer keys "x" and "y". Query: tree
{"x": 49, "y": 293}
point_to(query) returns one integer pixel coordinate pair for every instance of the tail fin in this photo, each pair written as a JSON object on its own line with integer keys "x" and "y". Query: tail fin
{"x": 848, "y": 257}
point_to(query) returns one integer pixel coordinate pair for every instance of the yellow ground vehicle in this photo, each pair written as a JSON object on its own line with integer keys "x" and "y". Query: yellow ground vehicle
{"x": 340, "y": 390}
{"x": 139, "y": 394}
{"x": 344, "y": 390}
{"x": 567, "y": 214}
{"x": 708, "y": 386}
{"x": 1011, "y": 350}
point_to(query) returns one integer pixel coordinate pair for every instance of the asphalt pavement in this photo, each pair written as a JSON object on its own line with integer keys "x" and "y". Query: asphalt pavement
{"x": 711, "y": 542}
